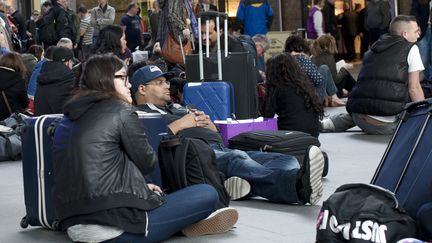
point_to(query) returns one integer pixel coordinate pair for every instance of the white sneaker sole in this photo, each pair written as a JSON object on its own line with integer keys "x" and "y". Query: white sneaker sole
{"x": 237, "y": 187}
{"x": 316, "y": 167}
{"x": 220, "y": 221}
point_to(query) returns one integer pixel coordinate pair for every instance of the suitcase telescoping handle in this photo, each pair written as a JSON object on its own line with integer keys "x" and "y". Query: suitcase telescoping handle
{"x": 207, "y": 16}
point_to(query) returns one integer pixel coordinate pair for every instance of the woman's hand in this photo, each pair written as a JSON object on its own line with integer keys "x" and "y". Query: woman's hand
{"x": 155, "y": 188}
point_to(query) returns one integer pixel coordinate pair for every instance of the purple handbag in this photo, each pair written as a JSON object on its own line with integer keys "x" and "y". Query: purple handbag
{"x": 231, "y": 128}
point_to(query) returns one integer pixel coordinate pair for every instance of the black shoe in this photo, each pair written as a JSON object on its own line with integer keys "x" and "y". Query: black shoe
{"x": 309, "y": 177}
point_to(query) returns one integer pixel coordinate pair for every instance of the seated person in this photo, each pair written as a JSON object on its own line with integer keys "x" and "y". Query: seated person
{"x": 277, "y": 177}
{"x": 320, "y": 77}
{"x": 324, "y": 49}
{"x": 389, "y": 78}
{"x": 101, "y": 159}
{"x": 291, "y": 96}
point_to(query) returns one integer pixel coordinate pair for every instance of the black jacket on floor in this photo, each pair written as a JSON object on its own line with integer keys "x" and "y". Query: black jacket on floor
{"x": 14, "y": 88}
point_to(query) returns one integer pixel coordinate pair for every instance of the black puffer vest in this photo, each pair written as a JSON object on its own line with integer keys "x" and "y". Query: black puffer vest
{"x": 382, "y": 86}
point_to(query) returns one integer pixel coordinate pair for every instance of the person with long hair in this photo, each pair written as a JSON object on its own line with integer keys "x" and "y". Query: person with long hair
{"x": 324, "y": 50}
{"x": 101, "y": 162}
{"x": 112, "y": 39}
{"x": 13, "y": 94}
{"x": 291, "y": 96}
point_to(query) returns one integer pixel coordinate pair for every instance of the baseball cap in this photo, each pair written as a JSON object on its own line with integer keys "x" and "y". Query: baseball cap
{"x": 146, "y": 74}
{"x": 62, "y": 54}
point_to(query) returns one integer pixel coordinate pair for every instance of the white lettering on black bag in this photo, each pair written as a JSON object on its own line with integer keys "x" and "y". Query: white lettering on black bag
{"x": 363, "y": 213}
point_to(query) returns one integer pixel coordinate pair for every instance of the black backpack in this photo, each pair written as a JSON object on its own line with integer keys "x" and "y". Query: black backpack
{"x": 188, "y": 161}
{"x": 363, "y": 213}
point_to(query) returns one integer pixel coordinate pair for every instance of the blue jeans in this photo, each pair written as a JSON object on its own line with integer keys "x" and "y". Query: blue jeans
{"x": 182, "y": 208}
{"x": 271, "y": 175}
{"x": 329, "y": 84}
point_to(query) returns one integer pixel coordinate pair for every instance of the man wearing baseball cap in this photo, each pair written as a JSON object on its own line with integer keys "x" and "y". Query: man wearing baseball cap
{"x": 277, "y": 177}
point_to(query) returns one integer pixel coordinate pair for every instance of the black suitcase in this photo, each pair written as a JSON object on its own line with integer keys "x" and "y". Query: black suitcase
{"x": 286, "y": 142}
{"x": 406, "y": 166}
{"x": 239, "y": 69}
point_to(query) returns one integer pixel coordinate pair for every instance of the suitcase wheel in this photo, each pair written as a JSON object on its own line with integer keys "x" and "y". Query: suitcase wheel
{"x": 24, "y": 223}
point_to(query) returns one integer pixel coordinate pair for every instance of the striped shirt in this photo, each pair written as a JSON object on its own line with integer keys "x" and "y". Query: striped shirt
{"x": 87, "y": 38}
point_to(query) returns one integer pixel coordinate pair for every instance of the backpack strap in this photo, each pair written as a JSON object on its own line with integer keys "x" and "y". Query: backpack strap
{"x": 6, "y": 102}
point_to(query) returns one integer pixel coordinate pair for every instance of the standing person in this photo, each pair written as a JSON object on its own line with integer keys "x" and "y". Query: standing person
{"x": 388, "y": 80}
{"x": 102, "y": 193}
{"x": 55, "y": 24}
{"x": 207, "y": 5}
{"x": 256, "y": 16}
{"x": 101, "y": 16}
{"x": 12, "y": 84}
{"x": 86, "y": 33}
{"x": 315, "y": 21}
{"x": 54, "y": 83}
{"x": 19, "y": 22}
{"x": 377, "y": 19}
{"x": 349, "y": 22}
{"x": 31, "y": 28}
{"x": 154, "y": 17}
{"x": 291, "y": 96}
{"x": 329, "y": 19}
{"x": 420, "y": 9}
{"x": 130, "y": 22}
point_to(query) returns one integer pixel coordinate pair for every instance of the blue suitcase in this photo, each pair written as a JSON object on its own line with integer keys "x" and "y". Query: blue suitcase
{"x": 406, "y": 166}
{"x": 38, "y": 175}
{"x": 38, "y": 165}
{"x": 155, "y": 127}
{"x": 216, "y": 99}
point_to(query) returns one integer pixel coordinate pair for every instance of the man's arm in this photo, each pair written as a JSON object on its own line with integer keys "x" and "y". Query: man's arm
{"x": 195, "y": 119}
{"x": 318, "y": 22}
{"x": 108, "y": 20}
{"x": 414, "y": 88}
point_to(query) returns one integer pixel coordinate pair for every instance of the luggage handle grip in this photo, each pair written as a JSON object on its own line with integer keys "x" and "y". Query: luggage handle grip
{"x": 413, "y": 105}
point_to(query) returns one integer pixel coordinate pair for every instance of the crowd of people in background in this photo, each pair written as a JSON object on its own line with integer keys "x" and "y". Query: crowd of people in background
{"x": 62, "y": 61}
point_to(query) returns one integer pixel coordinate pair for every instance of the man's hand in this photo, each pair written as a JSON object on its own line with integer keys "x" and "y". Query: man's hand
{"x": 193, "y": 119}
{"x": 203, "y": 120}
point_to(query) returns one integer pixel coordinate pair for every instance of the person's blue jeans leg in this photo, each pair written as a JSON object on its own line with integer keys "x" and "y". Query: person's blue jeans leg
{"x": 182, "y": 208}
{"x": 271, "y": 175}
{"x": 329, "y": 84}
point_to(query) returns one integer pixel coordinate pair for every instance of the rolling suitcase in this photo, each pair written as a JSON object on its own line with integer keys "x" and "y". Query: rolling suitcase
{"x": 238, "y": 69}
{"x": 406, "y": 166}
{"x": 214, "y": 98}
{"x": 38, "y": 175}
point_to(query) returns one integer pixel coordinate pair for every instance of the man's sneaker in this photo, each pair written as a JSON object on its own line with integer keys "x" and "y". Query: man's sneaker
{"x": 220, "y": 221}
{"x": 237, "y": 187}
{"x": 309, "y": 177}
{"x": 327, "y": 125}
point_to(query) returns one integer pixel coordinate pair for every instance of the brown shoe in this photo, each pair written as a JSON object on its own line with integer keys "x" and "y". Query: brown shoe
{"x": 220, "y": 221}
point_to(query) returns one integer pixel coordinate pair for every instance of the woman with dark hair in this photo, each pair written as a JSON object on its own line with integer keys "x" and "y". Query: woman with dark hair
{"x": 13, "y": 94}
{"x": 291, "y": 96}
{"x": 321, "y": 77}
{"x": 101, "y": 162}
{"x": 112, "y": 39}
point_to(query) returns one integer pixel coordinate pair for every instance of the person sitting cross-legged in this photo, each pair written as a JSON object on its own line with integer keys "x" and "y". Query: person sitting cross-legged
{"x": 276, "y": 177}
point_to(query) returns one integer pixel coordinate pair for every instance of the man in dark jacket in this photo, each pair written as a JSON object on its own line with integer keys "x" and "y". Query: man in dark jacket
{"x": 389, "y": 78}
{"x": 55, "y": 24}
{"x": 329, "y": 19}
{"x": 277, "y": 177}
{"x": 55, "y": 83}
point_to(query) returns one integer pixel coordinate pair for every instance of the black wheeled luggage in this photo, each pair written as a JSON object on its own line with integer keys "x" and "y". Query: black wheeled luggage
{"x": 238, "y": 69}
{"x": 406, "y": 166}
{"x": 38, "y": 174}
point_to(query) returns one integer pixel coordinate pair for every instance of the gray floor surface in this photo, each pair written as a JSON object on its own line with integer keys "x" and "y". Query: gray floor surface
{"x": 353, "y": 157}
